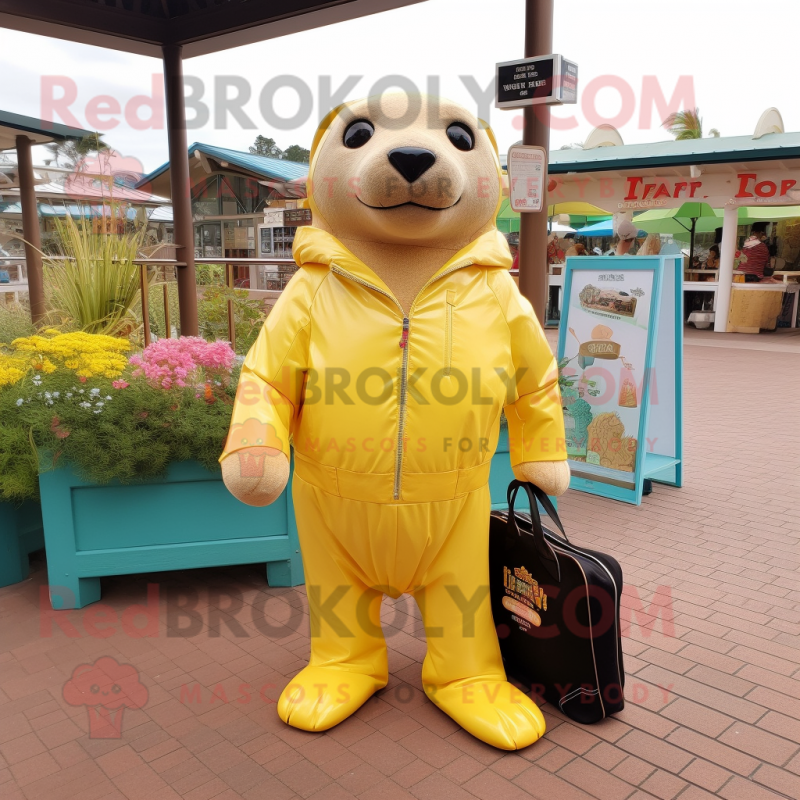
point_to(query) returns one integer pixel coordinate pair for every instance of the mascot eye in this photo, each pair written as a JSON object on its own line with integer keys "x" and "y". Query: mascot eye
{"x": 116, "y": 689}
{"x": 461, "y": 136}
{"x": 94, "y": 688}
{"x": 358, "y": 134}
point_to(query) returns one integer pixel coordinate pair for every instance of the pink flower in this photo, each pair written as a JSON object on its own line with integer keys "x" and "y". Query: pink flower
{"x": 120, "y": 384}
{"x": 187, "y": 361}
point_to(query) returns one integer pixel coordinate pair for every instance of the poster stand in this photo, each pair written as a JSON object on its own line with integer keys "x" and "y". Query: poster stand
{"x": 620, "y": 353}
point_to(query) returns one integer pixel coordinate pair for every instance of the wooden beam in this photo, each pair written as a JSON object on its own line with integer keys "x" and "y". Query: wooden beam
{"x": 180, "y": 189}
{"x": 536, "y": 130}
{"x": 30, "y": 228}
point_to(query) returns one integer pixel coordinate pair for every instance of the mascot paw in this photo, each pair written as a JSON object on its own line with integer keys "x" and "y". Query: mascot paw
{"x": 496, "y": 712}
{"x": 256, "y": 475}
{"x": 552, "y": 477}
{"x": 320, "y": 697}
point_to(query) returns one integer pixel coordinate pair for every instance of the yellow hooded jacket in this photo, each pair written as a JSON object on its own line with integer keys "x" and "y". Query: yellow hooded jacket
{"x": 383, "y": 407}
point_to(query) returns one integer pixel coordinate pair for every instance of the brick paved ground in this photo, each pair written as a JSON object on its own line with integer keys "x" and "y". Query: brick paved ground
{"x": 713, "y": 704}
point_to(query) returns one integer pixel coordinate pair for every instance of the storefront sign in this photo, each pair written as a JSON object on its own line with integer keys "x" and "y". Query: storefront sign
{"x": 527, "y": 168}
{"x": 619, "y": 350}
{"x": 636, "y": 192}
{"x": 531, "y": 81}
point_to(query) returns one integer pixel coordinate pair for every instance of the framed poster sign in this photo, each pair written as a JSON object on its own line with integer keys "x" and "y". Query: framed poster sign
{"x": 527, "y": 169}
{"x": 620, "y": 361}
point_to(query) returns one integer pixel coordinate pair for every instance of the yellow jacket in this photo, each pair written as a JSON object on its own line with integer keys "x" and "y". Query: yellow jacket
{"x": 385, "y": 408}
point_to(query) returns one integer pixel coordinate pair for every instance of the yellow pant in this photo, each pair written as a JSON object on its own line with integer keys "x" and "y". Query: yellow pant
{"x": 354, "y": 553}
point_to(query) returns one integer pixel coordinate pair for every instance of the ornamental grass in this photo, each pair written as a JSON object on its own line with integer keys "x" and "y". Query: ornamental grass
{"x": 95, "y": 282}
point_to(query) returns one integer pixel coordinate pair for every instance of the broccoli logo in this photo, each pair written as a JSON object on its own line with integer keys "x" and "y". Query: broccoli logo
{"x": 106, "y": 688}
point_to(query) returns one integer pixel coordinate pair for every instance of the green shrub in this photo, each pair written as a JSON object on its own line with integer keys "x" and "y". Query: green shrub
{"x": 157, "y": 319}
{"x": 213, "y": 316}
{"x": 15, "y": 322}
{"x": 210, "y": 274}
{"x": 106, "y": 432}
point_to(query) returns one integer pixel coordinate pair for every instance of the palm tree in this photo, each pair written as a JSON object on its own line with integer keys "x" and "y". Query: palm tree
{"x": 687, "y": 125}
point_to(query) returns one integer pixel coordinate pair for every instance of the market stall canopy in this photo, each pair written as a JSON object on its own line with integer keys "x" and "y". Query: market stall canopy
{"x": 200, "y": 26}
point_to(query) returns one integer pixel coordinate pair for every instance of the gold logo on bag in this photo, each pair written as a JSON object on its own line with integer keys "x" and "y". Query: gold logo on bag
{"x": 522, "y": 583}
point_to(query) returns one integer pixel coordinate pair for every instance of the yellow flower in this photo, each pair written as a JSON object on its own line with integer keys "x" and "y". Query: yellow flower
{"x": 87, "y": 354}
{"x": 12, "y": 369}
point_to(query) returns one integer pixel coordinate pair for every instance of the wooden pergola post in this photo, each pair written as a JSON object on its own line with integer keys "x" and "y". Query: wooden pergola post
{"x": 30, "y": 228}
{"x": 536, "y": 130}
{"x": 180, "y": 188}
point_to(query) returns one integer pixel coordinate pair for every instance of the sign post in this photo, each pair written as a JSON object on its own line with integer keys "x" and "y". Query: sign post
{"x": 620, "y": 357}
{"x": 538, "y": 80}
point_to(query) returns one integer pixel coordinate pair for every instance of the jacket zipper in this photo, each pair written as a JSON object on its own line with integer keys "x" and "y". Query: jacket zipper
{"x": 401, "y": 415}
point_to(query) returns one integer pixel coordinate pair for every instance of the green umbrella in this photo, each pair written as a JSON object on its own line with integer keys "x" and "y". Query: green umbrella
{"x": 507, "y": 219}
{"x": 674, "y": 220}
{"x": 751, "y": 214}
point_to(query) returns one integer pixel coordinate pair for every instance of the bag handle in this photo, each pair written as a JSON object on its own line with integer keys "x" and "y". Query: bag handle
{"x": 543, "y": 548}
{"x": 544, "y": 500}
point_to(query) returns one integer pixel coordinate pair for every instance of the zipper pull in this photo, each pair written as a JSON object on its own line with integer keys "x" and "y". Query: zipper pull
{"x": 404, "y": 337}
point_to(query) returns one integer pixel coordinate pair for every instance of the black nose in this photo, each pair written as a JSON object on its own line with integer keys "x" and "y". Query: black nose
{"x": 411, "y": 162}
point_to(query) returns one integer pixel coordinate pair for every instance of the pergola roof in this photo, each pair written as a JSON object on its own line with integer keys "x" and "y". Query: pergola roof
{"x": 39, "y": 131}
{"x": 200, "y": 26}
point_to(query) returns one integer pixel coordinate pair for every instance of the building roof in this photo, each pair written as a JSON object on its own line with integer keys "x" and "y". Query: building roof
{"x": 209, "y": 159}
{"x": 39, "y": 131}
{"x": 689, "y": 152}
{"x": 88, "y": 189}
{"x": 199, "y": 27}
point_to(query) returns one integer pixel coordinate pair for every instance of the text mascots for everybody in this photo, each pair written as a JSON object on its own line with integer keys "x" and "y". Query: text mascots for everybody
{"x": 386, "y": 364}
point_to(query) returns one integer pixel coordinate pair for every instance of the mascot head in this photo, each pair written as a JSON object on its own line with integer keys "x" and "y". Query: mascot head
{"x": 406, "y": 170}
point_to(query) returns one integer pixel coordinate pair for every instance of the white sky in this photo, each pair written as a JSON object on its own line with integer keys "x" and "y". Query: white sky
{"x": 703, "y": 39}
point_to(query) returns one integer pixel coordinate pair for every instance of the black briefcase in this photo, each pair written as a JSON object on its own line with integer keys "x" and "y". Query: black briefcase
{"x": 556, "y": 610}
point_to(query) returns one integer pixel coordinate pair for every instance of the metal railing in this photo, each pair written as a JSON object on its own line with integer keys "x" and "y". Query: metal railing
{"x": 276, "y": 280}
{"x": 283, "y": 277}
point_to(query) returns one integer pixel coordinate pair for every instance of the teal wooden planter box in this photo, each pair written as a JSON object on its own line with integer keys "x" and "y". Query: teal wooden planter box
{"x": 186, "y": 520}
{"x": 20, "y": 534}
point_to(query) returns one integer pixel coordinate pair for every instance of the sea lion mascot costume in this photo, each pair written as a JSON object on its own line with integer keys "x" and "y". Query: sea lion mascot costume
{"x": 387, "y": 362}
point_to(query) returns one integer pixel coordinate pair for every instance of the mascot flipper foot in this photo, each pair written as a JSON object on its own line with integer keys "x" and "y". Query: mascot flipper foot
{"x": 320, "y": 697}
{"x": 496, "y": 712}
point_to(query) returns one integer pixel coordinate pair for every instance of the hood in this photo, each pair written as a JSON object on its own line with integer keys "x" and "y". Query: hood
{"x": 315, "y": 246}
